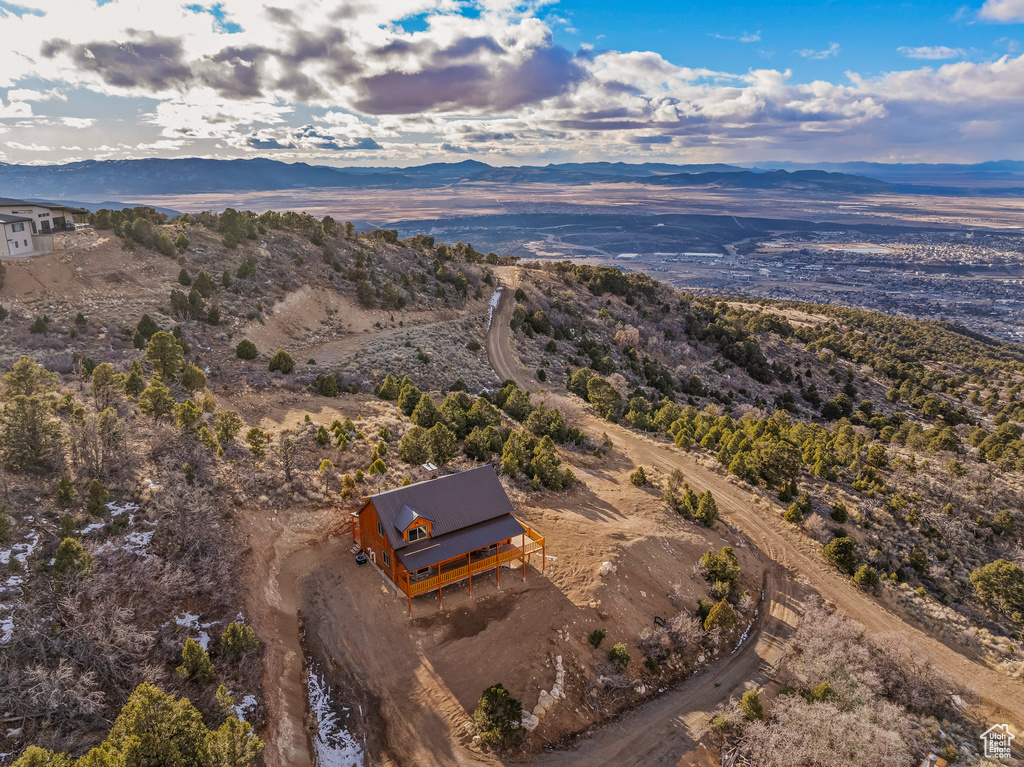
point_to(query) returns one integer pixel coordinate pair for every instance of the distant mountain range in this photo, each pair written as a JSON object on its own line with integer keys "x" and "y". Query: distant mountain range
{"x": 95, "y": 180}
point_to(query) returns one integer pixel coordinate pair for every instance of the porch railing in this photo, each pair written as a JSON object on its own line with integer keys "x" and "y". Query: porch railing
{"x": 509, "y": 553}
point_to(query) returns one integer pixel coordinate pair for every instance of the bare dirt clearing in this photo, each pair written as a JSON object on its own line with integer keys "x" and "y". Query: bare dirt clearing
{"x": 428, "y": 674}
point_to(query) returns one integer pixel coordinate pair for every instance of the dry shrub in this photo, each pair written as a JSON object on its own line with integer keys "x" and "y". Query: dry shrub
{"x": 807, "y": 733}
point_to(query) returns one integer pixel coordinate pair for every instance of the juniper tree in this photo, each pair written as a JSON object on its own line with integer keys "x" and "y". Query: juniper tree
{"x": 164, "y": 353}
{"x": 193, "y": 378}
{"x": 281, "y": 362}
{"x": 195, "y": 663}
{"x": 246, "y": 350}
{"x": 156, "y": 399}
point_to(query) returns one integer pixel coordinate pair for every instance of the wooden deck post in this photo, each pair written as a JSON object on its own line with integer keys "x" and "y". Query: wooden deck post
{"x": 543, "y": 556}
{"x": 440, "y": 596}
{"x": 523, "y": 552}
{"x": 469, "y": 571}
{"x": 408, "y": 591}
{"x": 497, "y": 567}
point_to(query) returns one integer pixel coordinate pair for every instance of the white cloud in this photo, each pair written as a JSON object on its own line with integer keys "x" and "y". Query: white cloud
{"x": 1004, "y": 11}
{"x": 810, "y": 53}
{"x": 932, "y": 52}
{"x": 14, "y": 109}
{"x": 307, "y": 79}
{"x": 78, "y": 122}
{"x": 746, "y": 37}
{"x": 25, "y": 94}
{"x": 28, "y": 147}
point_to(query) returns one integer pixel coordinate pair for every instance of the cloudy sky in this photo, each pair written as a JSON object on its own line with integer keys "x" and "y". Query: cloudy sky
{"x": 398, "y": 82}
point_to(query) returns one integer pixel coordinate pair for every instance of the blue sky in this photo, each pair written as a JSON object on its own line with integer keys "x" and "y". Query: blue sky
{"x": 869, "y": 35}
{"x": 510, "y": 82}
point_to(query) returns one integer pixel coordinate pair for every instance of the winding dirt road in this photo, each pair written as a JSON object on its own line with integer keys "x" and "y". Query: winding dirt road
{"x": 654, "y": 729}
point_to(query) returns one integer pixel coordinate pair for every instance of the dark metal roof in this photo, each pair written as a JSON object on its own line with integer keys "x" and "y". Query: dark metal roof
{"x": 406, "y": 516}
{"x": 440, "y": 548}
{"x": 6, "y": 219}
{"x": 450, "y": 503}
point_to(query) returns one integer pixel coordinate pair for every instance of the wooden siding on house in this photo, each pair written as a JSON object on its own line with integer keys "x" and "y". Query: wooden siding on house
{"x": 371, "y": 540}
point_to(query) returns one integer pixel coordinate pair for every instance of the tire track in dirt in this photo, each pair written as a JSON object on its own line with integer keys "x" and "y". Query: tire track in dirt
{"x": 1001, "y": 699}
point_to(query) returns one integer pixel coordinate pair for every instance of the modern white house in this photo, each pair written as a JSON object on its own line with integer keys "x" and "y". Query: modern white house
{"x": 28, "y": 227}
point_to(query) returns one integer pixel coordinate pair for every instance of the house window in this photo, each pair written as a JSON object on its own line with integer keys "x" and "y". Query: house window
{"x": 18, "y": 227}
{"x": 380, "y": 529}
{"x": 417, "y": 533}
{"x": 386, "y": 557}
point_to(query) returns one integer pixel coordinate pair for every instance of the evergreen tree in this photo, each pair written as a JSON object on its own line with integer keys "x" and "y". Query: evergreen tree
{"x": 721, "y": 616}
{"x": 414, "y": 447}
{"x": 246, "y": 350}
{"x": 425, "y": 413}
{"x": 238, "y": 639}
{"x": 96, "y": 503}
{"x": 226, "y": 425}
{"x": 193, "y": 378}
{"x": 707, "y": 509}
{"x": 195, "y": 663}
{"x": 135, "y": 383}
{"x": 71, "y": 557}
{"x": 442, "y": 444}
{"x": 408, "y": 398}
{"x": 750, "y": 706}
{"x": 29, "y": 435}
{"x": 66, "y": 492}
{"x": 498, "y": 718}
{"x": 164, "y": 353}
{"x": 156, "y": 399}
{"x": 188, "y": 416}
{"x": 281, "y": 362}
{"x": 389, "y": 388}
{"x": 842, "y": 553}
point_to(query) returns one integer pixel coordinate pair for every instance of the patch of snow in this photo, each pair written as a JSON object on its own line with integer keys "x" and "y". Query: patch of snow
{"x": 117, "y": 509}
{"x": 6, "y": 626}
{"x": 92, "y": 528}
{"x": 248, "y": 704}
{"x": 12, "y": 583}
{"x": 26, "y": 549}
{"x": 743, "y": 638}
{"x": 5, "y": 557}
{"x": 191, "y": 622}
{"x": 137, "y": 543}
{"x": 495, "y": 300}
{"x": 333, "y": 745}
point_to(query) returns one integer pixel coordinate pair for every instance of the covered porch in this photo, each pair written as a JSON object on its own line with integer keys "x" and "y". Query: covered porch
{"x": 518, "y": 549}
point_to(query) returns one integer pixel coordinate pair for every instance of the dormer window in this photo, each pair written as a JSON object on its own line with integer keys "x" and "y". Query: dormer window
{"x": 417, "y": 533}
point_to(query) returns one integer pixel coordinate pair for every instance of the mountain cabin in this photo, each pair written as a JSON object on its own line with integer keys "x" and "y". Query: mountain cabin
{"x": 432, "y": 534}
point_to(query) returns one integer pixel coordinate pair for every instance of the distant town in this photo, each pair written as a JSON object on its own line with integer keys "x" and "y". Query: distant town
{"x": 973, "y": 279}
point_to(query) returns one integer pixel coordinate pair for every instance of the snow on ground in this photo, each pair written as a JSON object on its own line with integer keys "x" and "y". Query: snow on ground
{"x": 117, "y": 509}
{"x": 92, "y": 528}
{"x": 26, "y": 549}
{"x": 191, "y": 622}
{"x": 495, "y": 300}
{"x": 247, "y": 705}
{"x": 6, "y": 625}
{"x": 137, "y": 543}
{"x": 12, "y": 583}
{"x": 743, "y": 638}
{"x": 333, "y": 745}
